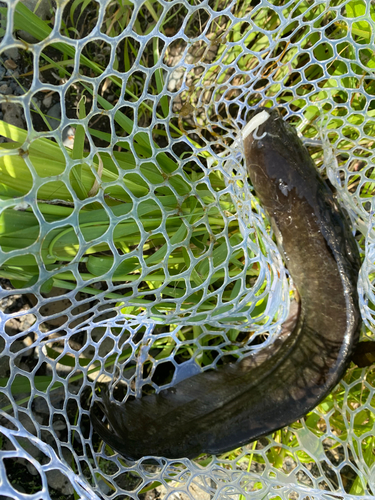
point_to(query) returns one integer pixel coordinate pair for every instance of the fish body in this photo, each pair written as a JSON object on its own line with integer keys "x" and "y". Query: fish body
{"x": 219, "y": 410}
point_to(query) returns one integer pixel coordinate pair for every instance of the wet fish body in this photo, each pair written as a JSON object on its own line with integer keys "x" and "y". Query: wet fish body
{"x": 217, "y": 411}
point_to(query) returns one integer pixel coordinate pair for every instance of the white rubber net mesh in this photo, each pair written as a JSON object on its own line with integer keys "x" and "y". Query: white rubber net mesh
{"x": 132, "y": 250}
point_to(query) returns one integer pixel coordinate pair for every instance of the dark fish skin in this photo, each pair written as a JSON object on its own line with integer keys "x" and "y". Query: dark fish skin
{"x": 364, "y": 354}
{"x": 220, "y": 410}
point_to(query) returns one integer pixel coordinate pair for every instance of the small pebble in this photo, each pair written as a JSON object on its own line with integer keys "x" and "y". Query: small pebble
{"x": 5, "y": 89}
{"x": 10, "y": 64}
{"x": 59, "y": 482}
{"x": 12, "y": 53}
{"x": 47, "y": 101}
